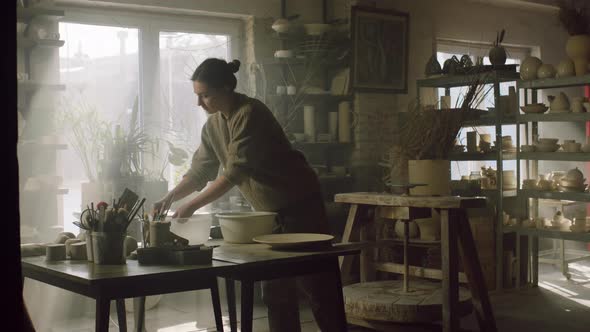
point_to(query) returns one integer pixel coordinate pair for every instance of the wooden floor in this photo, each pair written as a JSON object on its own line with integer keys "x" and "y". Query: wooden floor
{"x": 557, "y": 305}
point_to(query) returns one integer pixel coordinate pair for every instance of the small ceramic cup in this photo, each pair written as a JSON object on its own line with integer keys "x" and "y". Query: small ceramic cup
{"x": 281, "y": 90}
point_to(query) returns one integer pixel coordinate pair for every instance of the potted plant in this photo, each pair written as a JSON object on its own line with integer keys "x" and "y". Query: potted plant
{"x": 427, "y": 137}
{"x": 577, "y": 23}
{"x": 497, "y": 54}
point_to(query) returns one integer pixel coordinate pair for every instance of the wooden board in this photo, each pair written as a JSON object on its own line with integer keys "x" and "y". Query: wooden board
{"x": 386, "y": 301}
{"x": 385, "y": 199}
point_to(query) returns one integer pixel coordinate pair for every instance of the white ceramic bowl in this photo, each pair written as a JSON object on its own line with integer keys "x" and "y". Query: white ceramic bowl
{"x": 284, "y": 54}
{"x": 534, "y": 108}
{"x": 195, "y": 229}
{"x": 241, "y": 227}
{"x": 281, "y": 25}
{"x": 316, "y": 29}
{"x": 548, "y": 141}
{"x": 546, "y": 147}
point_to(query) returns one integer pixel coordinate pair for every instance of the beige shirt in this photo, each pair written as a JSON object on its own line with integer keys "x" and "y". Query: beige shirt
{"x": 256, "y": 156}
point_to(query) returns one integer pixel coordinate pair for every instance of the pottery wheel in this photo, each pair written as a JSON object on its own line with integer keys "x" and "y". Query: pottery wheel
{"x": 387, "y": 301}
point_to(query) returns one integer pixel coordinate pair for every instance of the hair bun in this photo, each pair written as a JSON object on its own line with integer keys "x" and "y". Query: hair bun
{"x": 234, "y": 66}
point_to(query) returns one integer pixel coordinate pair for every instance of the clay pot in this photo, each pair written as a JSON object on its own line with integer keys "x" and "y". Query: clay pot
{"x": 529, "y": 67}
{"x": 578, "y": 49}
{"x": 565, "y": 68}
{"x": 497, "y": 55}
{"x": 546, "y": 71}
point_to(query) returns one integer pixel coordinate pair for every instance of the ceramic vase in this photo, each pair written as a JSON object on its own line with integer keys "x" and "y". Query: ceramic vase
{"x": 497, "y": 55}
{"x": 578, "y": 49}
{"x": 529, "y": 68}
{"x": 436, "y": 174}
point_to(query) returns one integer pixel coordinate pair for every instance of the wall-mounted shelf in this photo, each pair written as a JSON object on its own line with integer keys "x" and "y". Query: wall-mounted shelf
{"x": 27, "y": 43}
{"x": 489, "y": 121}
{"x": 555, "y": 117}
{"x": 494, "y": 193}
{"x": 560, "y": 156}
{"x": 550, "y": 83}
{"x": 34, "y": 86}
{"x": 452, "y": 81}
{"x": 26, "y": 14}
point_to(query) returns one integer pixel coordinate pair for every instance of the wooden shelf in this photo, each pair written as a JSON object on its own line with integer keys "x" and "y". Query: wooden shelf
{"x": 550, "y": 233}
{"x": 33, "y": 85}
{"x": 413, "y": 242}
{"x": 468, "y": 156}
{"x": 554, "y": 117}
{"x": 493, "y": 193}
{"x": 489, "y": 121}
{"x": 561, "y": 156}
{"x": 452, "y": 81}
{"x": 331, "y": 177}
{"x": 549, "y": 83}
{"x": 556, "y": 195}
{"x": 26, "y": 43}
{"x": 26, "y": 14}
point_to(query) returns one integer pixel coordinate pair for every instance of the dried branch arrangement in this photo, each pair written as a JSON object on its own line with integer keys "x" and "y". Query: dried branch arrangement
{"x": 430, "y": 134}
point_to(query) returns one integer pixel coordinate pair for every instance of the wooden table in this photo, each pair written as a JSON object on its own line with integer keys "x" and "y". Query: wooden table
{"x": 116, "y": 282}
{"x": 256, "y": 262}
{"x": 454, "y": 226}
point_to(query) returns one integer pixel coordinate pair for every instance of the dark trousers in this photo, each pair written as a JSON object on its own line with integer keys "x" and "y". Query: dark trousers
{"x": 280, "y": 295}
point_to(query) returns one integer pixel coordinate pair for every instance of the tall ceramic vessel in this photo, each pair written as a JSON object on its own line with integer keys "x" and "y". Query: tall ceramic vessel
{"x": 436, "y": 174}
{"x": 578, "y": 49}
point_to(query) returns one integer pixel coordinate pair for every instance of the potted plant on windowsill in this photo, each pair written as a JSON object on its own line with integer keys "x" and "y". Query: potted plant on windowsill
{"x": 576, "y": 20}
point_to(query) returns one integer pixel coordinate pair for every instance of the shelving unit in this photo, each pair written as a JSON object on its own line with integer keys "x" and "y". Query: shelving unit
{"x": 318, "y": 153}
{"x": 534, "y": 197}
{"x": 30, "y": 146}
{"x": 494, "y": 119}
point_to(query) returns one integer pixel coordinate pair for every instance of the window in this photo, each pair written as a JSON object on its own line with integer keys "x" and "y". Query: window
{"x": 125, "y": 69}
{"x": 447, "y": 49}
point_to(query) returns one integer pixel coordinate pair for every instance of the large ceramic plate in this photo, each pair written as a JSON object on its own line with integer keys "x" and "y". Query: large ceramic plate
{"x": 294, "y": 240}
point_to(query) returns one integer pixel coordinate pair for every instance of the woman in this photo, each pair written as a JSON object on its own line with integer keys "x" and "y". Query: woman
{"x": 242, "y": 136}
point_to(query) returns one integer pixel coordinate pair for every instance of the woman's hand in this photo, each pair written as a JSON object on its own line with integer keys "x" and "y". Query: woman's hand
{"x": 184, "y": 211}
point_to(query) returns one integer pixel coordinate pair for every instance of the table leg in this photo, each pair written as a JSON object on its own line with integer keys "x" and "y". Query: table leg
{"x": 216, "y": 305}
{"x": 472, "y": 267}
{"x": 339, "y": 296}
{"x": 230, "y": 288}
{"x": 247, "y": 288}
{"x": 102, "y": 314}
{"x": 121, "y": 315}
{"x": 139, "y": 313}
{"x": 450, "y": 277}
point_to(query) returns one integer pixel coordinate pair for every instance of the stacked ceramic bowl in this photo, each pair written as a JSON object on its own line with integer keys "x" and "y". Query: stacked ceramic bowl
{"x": 573, "y": 181}
{"x": 547, "y": 145}
{"x": 508, "y": 180}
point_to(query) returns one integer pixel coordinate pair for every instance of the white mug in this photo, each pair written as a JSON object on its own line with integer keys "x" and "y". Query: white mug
{"x": 291, "y": 90}
{"x": 281, "y": 90}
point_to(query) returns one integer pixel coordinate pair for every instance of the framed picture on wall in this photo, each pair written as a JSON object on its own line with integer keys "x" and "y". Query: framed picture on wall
{"x": 379, "y": 50}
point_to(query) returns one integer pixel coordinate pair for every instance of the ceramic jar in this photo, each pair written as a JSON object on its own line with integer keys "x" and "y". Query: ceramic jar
{"x": 429, "y": 229}
{"x": 559, "y": 102}
{"x": 578, "y": 49}
{"x": 566, "y": 68}
{"x": 497, "y": 55}
{"x": 546, "y": 71}
{"x": 529, "y": 68}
